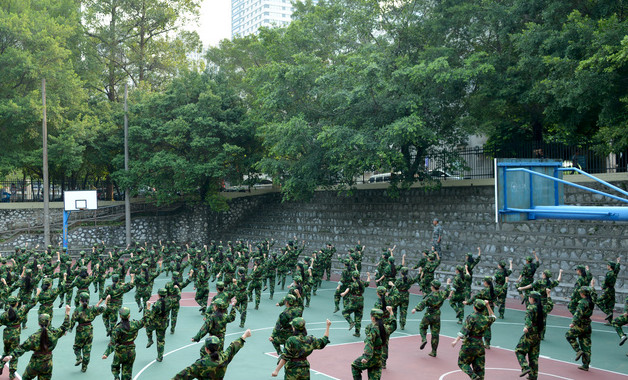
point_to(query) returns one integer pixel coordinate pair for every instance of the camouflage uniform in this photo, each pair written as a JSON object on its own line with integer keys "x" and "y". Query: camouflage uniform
{"x": 471, "y": 264}
{"x": 256, "y": 283}
{"x": 427, "y": 275}
{"x": 403, "y": 284}
{"x": 501, "y": 287}
{"x": 144, "y": 285}
{"x": 606, "y": 302}
{"x": 40, "y": 365}
{"x": 270, "y": 271}
{"x": 485, "y": 295}
{"x": 239, "y": 290}
{"x": 174, "y": 296}
{"x": 541, "y": 287}
{"x": 116, "y": 291}
{"x": 84, "y": 316}
{"x": 13, "y": 330}
{"x": 345, "y": 279}
{"x": 81, "y": 283}
{"x": 296, "y": 350}
{"x": 353, "y": 302}
{"x": 530, "y": 342}
{"x": 157, "y": 321}
{"x": 581, "y": 281}
{"x": 216, "y": 324}
{"x": 373, "y": 349}
{"x": 471, "y": 358}
{"x": 431, "y": 319}
{"x": 579, "y": 336}
{"x": 437, "y": 234}
{"x": 618, "y": 322}
{"x": 47, "y": 297}
{"x": 201, "y": 278}
{"x": 123, "y": 344}
{"x": 283, "y": 329}
{"x": 458, "y": 293}
{"x": 208, "y": 368}
{"x": 527, "y": 275}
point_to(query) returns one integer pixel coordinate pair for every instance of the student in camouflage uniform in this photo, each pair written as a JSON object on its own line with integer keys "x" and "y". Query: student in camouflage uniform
{"x": 618, "y": 322}
{"x": 403, "y": 285}
{"x": 530, "y": 342}
{"x": 472, "y": 356}
{"x": 157, "y": 321}
{"x": 240, "y": 283}
{"x": 27, "y": 284}
{"x": 144, "y": 284}
{"x": 386, "y": 300}
{"x": 283, "y": 329}
{"x": 437, "y": 235}
{"x": 579, "y": 333}
{"x": 255, "y": 285}
{"x": 296, "y": 350}
{"x": 47, "y": 296}
{"x": 427, "y": 274}
{"x": 115, "y": 292}
{"x": 81, "y": 282}
{"x": 353, "y": 301}
{"x": 543, "y": 287}
{"x": 377, "y": 334}
{"x": 216, "y": 323}
{"x": 42, "y": 343}
{"x": 12, "y": 319}
{"x": 100, "y": 276}
{"x": 488, "y": 294}
{"x": 318, "y": 269}
{"x": 431, "y": 319}
{"x": 213, "y": 365}
{"x": 122, "y": 343}
{"x": 470, "y": 263}
{"x": 200, "y": 276}
{"x": 501, "y": 286}
{"x": 527, "y": 274}
{"x": 458, "y": 294}
{"x": 606, "y": 302}
{"x": 84, "y": 315}
{"x": 174, "y": 288}
{"x": 345, "y": 279}
{"x": 270, "y": 271}
{"x": 581, "y": 280}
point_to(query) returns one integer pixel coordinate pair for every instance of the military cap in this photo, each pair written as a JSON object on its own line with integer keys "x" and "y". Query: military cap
{"x": 212, "y": 341}
{"x": 581, "y": 268}
{"x": 220, "y": 285}
{"x": 547, "y": 273}
{"x": 47, "y": 280}
{"x": 44, "y": 319}
{"x": 435, "y": 284}
{"x": 11, "y": 299}
{"x": 585, "y": 290}
{"x": 431, "y": 256}
{"x": 377, "y": 313}
{"x": 220, "y": 303}
{"x": 115, "y": 277}
{"x": 162, "y": 292}
{"x": 297, "y": 278}
{"x": 459, "y": 268}
{"x": 488, "y": 278}
{"x": 502, "y": 263}
{"x": 535, "y": 294}
{"x": 291, "y": 299}
{"x": 381, "y": 289}
{"x": 529, "y": 258}
{"x": 84, "y": 296}
{"x": 82, "y": 253}
{"x": 144, "y": 265}
{"x": 298, "y": 323}
{"x": 176, "y": 274}
{"x": 479, "y": 305}
{"x": 125, "y": 312}
{"x": 391, "y": 259}
{"x": 404, "y": 269}
{"x": 355, "y": 273}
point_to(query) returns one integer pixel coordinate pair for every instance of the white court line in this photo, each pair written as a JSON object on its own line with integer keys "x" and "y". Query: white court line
{"x": 505, "y": 369}
{"x": 313, "y": 370}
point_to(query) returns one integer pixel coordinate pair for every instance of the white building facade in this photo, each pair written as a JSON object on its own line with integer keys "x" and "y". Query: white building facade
{"x": 248, "y": 15}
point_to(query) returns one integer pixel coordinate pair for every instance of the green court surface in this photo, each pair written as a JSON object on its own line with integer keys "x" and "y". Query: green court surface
{"x": 255, "y": 362}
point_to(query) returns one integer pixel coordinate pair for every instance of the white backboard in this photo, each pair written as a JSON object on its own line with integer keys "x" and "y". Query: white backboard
{"x": 80, "y": 200}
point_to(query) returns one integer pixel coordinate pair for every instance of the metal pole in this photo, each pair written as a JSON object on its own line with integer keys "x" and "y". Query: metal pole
{"x": 45, "y": 168}
{"x": 127, "y": 195}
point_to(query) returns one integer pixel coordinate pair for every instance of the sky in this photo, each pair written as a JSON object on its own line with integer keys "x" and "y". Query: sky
{"x": 214, "y": 22}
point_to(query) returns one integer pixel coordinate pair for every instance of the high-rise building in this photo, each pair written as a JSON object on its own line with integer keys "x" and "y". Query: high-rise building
{"x": 248, "y": 15}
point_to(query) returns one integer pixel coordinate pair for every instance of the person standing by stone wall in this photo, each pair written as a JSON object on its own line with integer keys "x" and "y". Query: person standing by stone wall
{"x": 437, "y": 235}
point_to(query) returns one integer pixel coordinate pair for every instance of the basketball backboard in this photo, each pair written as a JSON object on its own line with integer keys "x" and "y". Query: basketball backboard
{"x": 80, "y": 200}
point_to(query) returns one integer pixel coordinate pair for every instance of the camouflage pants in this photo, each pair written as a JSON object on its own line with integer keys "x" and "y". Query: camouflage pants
{"x": 271, "y": 284}
{"x": 579, "y": 337}
{"x": 11, "y": 338}
{"x": 500, "y": 302}
{"x": 68, "y": 297}
{"x": 573, "y": 303}
{"x": 619, "y": 322}
{"x": 529, "y": 345}
{"x": 141, "y": 296}
{"x": 337, "y": 296}
{"x": 160, "y": 334}
{"x": 355, "y": 306}
{"x": 458, "y": 306}
{"x": 83, "y": 343}
{"x": 426, "y": 283}
{"x": 110, "y": 316}
{"x": 241, "y": 305}
{"x": 373, "y": 366}
{"x": 99, "y": 287}
{"x": 471, "y": 358}
{"x": 201, "y": 296}
{"x": 301, "y": 372}
{"x": 122, "y": 365}
{"x": 255, "y": 286}
{"x": 39, "y": 366}
{"x": 173, "y": 306}
{"x": 404, "y": 300}
{"x": 327, "y": 268}
{"x": 433, "y": 322}
{"x": 606, "y": 302}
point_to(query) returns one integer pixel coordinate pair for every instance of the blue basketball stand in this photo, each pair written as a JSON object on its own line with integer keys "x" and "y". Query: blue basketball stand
{"x": 534, "y": 189}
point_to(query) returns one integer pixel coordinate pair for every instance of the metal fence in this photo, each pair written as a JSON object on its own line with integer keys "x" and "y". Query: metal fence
{"x": 32, "y": 190}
